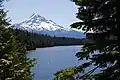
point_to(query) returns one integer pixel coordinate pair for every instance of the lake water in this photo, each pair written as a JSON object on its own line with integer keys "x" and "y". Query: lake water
{"x": 52, "y": 59}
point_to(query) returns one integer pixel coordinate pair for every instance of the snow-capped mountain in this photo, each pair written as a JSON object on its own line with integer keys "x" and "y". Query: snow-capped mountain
{"x": 39, "y": 24}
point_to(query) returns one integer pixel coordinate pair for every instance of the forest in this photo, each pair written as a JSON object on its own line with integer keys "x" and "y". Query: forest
{"x": 96, "y": 15}
{"x": 34, "y": 40}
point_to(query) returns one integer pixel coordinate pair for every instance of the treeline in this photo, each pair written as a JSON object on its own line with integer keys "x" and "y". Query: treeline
{"x": 14, "y": 64}
{"x": 34, "y": 40}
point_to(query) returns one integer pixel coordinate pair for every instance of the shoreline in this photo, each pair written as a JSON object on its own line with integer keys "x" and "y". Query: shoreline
{"x": 54, "y": 46}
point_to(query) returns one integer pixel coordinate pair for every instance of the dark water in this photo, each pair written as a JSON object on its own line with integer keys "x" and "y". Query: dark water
{"x": 52, "y": 59}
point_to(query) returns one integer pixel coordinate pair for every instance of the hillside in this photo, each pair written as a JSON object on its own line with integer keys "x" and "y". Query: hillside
{"x": 34, "y": 40}
{"x": 41, "y": 25}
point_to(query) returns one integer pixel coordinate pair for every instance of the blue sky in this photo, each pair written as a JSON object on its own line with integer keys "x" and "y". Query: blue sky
{"x": 63, "y": 12}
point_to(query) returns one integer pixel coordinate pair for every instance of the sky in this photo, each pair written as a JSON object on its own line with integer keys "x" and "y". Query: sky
{"x": 63, "y": 12}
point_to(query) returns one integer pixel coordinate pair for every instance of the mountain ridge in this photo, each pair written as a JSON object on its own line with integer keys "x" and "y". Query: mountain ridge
{"x": 39, "y": 24}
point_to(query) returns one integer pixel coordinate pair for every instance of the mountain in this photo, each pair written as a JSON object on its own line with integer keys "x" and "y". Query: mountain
{"x": 41, "y": 25}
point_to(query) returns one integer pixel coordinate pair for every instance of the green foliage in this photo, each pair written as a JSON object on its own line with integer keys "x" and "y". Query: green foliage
{"x": 14, "y": 64}
{"x": 69, "y": 73}
{"x": 34, "y": 40}
{"x": 66, "y": 74}
{"x": 98, "y": 16}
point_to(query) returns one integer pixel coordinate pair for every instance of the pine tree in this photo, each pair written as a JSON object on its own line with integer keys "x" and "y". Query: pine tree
{"x": 14, "y": 64}
{"x": 98, "y": 16}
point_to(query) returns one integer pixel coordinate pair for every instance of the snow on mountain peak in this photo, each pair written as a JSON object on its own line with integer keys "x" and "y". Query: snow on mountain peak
{"x": 39, "y": 24}
{"x": 35, "y": 14}
{"x": 36, "y": 18}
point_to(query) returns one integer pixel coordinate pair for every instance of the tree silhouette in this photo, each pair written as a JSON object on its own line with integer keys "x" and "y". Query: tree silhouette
{"x": 14, "y": 64}
{"x": 100, "y": 26}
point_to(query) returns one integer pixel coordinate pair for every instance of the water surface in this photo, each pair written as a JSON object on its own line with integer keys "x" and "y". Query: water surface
{"x": 52, "y": 59}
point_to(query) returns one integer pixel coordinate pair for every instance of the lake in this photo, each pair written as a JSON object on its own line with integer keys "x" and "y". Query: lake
{"x": 52, "y": 59}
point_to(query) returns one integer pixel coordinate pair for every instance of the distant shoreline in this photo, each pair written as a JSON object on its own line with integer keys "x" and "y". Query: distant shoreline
{"x": 54, "y": 46}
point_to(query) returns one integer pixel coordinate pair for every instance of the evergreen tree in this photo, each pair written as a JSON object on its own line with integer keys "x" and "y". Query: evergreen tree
{"x": 14, "y": 64}
{"x": 34, "y": 40}
{"x": 98, "y": 16}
